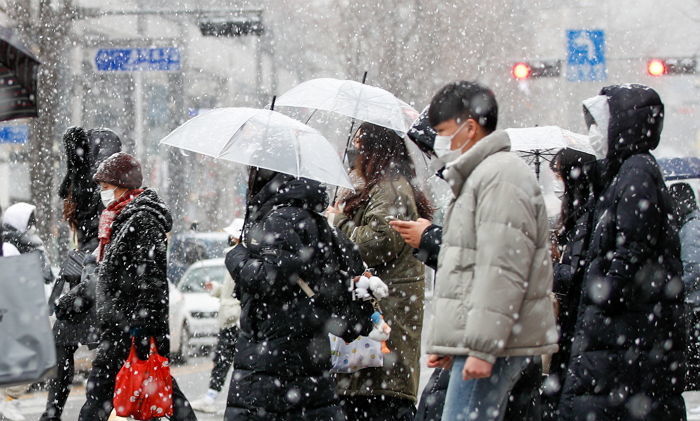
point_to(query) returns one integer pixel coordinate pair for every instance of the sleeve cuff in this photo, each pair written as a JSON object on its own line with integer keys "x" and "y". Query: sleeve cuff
{"x": 483, "y": 356}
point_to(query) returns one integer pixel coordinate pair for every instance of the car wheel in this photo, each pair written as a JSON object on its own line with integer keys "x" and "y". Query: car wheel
{"x": 183, "y": 354}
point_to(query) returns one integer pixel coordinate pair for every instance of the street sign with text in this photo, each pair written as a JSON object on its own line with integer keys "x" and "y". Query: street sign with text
{"x": 138, "y": 59}
{"x": 14, "y": 134}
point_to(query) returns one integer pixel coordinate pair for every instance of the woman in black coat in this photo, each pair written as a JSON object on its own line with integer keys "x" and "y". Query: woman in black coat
{"x": 574, "y": 169}
{"x": 132, "y": 287}
{"x": 627, "y": 354}
{"x": 283, "y": 352}
{"x": 75, "y": 324}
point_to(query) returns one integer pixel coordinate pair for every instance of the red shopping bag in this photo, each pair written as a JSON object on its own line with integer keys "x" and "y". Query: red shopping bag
{"x": 144, "y": 388}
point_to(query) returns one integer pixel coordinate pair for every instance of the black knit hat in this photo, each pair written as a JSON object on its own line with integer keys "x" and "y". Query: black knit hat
{"x": 121, "y": 170}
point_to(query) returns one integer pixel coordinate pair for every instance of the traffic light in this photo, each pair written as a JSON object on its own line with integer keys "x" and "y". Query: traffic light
{"x": 521, "y": 71}
{"x": 524, "y": 70}
{"x": 671, "y": 66}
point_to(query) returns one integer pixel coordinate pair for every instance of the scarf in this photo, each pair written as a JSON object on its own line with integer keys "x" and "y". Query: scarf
{"x": 108, "y": 216}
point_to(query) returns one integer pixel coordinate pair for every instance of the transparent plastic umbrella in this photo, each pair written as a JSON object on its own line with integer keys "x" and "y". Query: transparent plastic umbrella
{"x": 548, "y": 137}
{"x": 352, "y": 99}
{"x": 541, "y": 143}
{"x": 264, "y": 139}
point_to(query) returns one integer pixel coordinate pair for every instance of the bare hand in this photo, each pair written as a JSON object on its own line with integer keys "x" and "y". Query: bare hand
{"x": 475, "y": 368}
{"x": 440, "y": 361}
{"x": 411, "y": 231}
{"x": 333, "y": 209}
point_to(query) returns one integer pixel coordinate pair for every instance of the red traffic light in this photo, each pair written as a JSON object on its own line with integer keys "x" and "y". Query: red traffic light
{"x": 521, "y": 71}
{"x": 656, "y": 67}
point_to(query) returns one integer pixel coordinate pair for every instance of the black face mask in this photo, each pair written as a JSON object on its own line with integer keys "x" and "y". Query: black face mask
{"x": 352, "y": 155}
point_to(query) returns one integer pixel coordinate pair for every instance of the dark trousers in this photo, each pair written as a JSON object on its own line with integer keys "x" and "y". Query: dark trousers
{"x": 113, "y": 350}
{"x": 377, "y": 408}
{"x": 59, "y": 386}
{"x": 223, "y": 357}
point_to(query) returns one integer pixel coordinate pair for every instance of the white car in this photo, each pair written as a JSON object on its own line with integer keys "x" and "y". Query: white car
{"x": 193, "y": 311}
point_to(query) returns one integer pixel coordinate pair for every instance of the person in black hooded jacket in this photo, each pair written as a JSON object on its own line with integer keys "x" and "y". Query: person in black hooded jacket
{"x": 84, "y": 150}
{"x": 282, "y": 356}
{"x": 627, "y": 354}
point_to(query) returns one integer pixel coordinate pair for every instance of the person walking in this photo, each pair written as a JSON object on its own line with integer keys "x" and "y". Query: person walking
{"x": 492, "y": 308}
{"x": 687, "y": 217}
{"x": 574, "y": 170}
{"x": 132, "y": 289}
{"x": 291, "y": 274}
{"x": 627, "y": 353}
{"x": 82, "y": 206}
{"x": 19, "y": 230}
{"x": 229, "y": 316}
{"x": 387, "y": 193}
{"x": 9, "y": 403}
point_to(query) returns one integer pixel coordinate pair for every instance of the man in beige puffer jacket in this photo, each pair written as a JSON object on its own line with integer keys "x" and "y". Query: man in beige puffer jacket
{"x": 492, "y": 307}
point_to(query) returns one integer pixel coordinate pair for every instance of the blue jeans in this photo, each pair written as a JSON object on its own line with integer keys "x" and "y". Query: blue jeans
{"x": 482, "y": 399}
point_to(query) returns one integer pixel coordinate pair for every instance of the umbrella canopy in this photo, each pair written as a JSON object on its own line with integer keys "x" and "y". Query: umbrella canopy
{"x": 18, "y": 78}
{"x": 536, "y": 144}
{"x": 680, "y": 168}
{"x": 352, "y": 99}
{"x": 264, "y": 139}
{"x": 547, "y": 138}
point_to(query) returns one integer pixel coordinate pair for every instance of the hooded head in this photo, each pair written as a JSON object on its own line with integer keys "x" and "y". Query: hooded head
{"x": 19, "y": 216}
{"x": 103, "y": 144}
{"x": 624, "y": 120}
{"x": 121, "y": 170}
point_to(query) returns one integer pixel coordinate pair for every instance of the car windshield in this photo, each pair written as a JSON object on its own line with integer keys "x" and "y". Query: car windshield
{"x": 193, "y": 249}
{"x": 195, "y": 279}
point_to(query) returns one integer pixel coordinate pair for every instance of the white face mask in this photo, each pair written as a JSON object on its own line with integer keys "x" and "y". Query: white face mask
{"x": 598, "y": 141}
{"x": 107, "y": 196}
{"x": 443, "y": 145}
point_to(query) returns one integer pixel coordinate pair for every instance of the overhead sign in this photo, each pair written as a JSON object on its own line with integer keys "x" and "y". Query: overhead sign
{"x": 14, "y": 134}
{"x": 585, "y": 55}
{"x": 163, "y": 59}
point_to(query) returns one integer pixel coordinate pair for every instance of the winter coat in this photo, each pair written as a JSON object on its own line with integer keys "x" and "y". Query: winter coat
{"x": 18, "y": 233}
{"x": 132, "y": 289}
{"x": 568, "y": 276}
{"x": 690, "y": 256}
{"x": 229, "y": 306}
{"x": 84, "y": 151}
{"x": 432, "y": 400}
{"x": 76, "y": 312}
{"x": 384, "y": 250}
{"x": 494, "y": 272}
{"x": 283, "y": 351}
{"x": 627, "y": 359}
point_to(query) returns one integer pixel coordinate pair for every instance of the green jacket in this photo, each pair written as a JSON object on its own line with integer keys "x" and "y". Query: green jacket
{"x": 384, "y": 250}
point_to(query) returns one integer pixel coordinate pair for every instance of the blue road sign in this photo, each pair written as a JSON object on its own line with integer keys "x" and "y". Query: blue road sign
{"x": 585, "y": 55}
{"x": 138, "y": 59}
{"x": 14, "y": 134}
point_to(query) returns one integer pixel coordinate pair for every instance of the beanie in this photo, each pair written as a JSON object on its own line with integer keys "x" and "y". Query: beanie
{"x": 121, "y": 170}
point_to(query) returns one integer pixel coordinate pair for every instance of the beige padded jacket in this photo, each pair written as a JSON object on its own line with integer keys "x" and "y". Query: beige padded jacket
{"x": 494, "y": 277}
